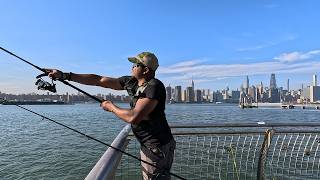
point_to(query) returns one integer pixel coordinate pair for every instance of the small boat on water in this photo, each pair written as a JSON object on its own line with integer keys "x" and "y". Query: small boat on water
{"x": 242, "y": 106}
{"x": 287, "y": 106}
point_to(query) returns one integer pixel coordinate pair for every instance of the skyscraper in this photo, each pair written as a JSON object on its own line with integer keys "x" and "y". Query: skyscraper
{"x": 314, "y": 90}
{"x": 274, "y": 95}
{"x": 246, "y": 83}
{"x": 177, "y": 94}
{"x": 252, "y": 92}
{"x": 198, "y": 96}
{"x": 314, "y": 82}
{"x": 288, "y": 85}
{"x": 314, "y": 93}
{"x": 273, "y": 83}
{"x": 235, "y": 95}
{"x": 184, "y": 95}
{"x": 259, "y": 92}
{"x": 192, "y": 84}
{"x": 168, "y": 90}
{"x": 189, "y": 95}
{"x": 246, "y": 86}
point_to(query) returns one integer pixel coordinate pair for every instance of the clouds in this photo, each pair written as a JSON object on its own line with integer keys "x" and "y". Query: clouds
{"x": 202, "y": 71}
{"x": 297, "y": 56}
{"x": 285, "y": 38}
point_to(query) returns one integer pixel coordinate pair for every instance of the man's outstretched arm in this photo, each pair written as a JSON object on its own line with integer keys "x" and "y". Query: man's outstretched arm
{"x": 87, "y": 79}
{"x": 96, "y": 80}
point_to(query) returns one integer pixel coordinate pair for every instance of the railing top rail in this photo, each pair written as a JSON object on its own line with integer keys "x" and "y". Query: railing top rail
{"x": 189, "y": 133}
{"x": 258, "y": 124}
{"x": 107, "y": 164}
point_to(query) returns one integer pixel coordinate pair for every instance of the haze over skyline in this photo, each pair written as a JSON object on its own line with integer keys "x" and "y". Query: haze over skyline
{"x": 216, "y": 43}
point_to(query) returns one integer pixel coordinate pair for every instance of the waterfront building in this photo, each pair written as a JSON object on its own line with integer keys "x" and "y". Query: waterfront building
{"x": 273, "y": 82}
{"x": 184, "y": 96}
{"x": 314, "y": 90}
{"x": 305, "y": 94}
{"x": 206, "y": 95}
{"x": 225, "y": 94}
{"x": 282, "y": 94}
{"x": 252, "y": 92}
{"x": 192, "y": 84}
{"x": 314, "y": 93}
{"x": 274, "y": 95}
{"x": 265, "y": 96}
{"x": 206, "y": 92}
{"x": 287, "y": 97}
{"x": 259, "y": 92}
{"x": 314, "y": 82}
{"x": 246, "y": 85}
{"x": 189, "y": 95}
{"x": 168, "y": 91}
{"x": 177, "y": 94}
{"x": 218, "y": 97}
{"x": 198, "y": 96}
{"x": 235, "y": 96}
{"x": 192, "y": 94}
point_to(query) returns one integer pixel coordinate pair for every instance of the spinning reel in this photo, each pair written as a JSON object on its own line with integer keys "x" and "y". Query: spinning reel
{"x": 44, "y": 85}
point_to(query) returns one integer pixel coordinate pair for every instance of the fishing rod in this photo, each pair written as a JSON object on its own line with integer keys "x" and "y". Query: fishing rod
{"x": 45, "y": 72}
{"x": 74, "y": 130}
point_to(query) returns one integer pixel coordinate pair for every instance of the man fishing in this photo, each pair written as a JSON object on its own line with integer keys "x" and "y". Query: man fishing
{"x": 146, "y": 115}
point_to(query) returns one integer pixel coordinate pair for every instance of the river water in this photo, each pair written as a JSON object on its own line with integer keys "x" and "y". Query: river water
{"x": 33, "y": 148}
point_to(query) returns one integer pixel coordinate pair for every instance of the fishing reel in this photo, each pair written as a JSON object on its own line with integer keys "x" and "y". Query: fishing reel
{"x": 44, "y": 85}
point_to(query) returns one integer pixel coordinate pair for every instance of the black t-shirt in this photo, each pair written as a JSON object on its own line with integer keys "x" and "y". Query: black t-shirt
{"x": 155, "y": 131}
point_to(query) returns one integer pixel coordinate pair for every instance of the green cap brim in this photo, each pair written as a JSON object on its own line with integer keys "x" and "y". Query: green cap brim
{"x": 133, "y": 59}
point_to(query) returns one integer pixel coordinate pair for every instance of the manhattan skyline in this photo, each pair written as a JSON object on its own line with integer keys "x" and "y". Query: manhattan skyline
{"x": 216, "y": 43}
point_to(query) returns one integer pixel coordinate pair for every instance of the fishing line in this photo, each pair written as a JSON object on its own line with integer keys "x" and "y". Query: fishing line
{"x": 72, "y": 129}
{"x": 44, "y": 70}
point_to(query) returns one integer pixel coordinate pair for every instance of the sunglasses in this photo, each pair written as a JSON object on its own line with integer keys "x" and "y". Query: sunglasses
{"x": 138, "y": 65}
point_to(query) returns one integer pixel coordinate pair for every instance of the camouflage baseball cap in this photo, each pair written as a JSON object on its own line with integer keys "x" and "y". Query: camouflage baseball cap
{"x": 146, "y": 58}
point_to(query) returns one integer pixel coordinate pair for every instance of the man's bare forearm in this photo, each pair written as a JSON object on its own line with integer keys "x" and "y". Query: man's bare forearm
{"x": 96, "y": 80}
{"x": 87, "y": 79}
{"x": 124, "y": 114}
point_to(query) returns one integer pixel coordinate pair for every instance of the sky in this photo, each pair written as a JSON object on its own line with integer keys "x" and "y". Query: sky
{"x": 215, "y": 43}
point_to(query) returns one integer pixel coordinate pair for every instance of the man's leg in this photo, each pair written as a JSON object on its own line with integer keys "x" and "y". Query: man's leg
{"x": 162, "y": 158}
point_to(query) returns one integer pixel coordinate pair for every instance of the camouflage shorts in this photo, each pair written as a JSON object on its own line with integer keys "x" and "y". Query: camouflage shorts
{"x": 161, "y": 157}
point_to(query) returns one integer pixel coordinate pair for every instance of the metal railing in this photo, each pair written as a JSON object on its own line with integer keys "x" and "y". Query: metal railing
{"x": 108, "y": 163}
{"x": 236, "y": 151}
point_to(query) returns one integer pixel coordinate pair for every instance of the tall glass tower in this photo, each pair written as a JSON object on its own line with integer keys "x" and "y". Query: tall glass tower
{"x": 273, "y": 83}
{"x": 274, "y": 95}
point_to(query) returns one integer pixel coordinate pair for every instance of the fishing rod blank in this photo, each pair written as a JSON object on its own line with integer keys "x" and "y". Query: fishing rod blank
{"x": 44, "y": 70}
{"x": 91, "y": 96}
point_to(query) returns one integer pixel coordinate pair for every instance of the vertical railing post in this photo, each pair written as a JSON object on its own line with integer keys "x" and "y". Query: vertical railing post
{"x": 263, "y": 154}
